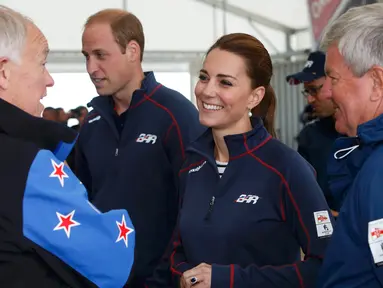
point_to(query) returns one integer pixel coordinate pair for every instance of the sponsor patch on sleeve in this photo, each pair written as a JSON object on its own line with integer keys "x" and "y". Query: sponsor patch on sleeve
{"x": 323, "y": 224}
{"x": 375, "y": 240}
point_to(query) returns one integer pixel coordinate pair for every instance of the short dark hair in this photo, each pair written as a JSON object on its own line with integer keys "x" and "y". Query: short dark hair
{"x": 125, "y": 27}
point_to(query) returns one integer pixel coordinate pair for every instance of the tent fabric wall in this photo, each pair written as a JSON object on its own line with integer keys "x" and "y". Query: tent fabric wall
{"x": 290, "y": 102}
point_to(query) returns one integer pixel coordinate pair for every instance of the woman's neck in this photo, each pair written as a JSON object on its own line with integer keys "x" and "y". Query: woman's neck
{"x": 221, "y": 152}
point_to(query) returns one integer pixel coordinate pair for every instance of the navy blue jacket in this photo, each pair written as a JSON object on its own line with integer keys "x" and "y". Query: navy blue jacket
{"x": 315, "y": 143}
{"x": 138, "y": 169}
{"x": 50, "y": 234}
{"x": 265, "y": 207}
{"x": 355, "y": 255}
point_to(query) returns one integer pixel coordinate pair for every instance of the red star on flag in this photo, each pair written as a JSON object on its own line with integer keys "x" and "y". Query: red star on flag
{"x": 58, "y": 171}
{"x": 66, "y": 222}
{"x": 124, "y": 231}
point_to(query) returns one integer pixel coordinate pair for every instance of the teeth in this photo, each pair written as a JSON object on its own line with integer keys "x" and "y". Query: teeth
{"x": 212, "y": 107}
{"x": 97, "y": 80}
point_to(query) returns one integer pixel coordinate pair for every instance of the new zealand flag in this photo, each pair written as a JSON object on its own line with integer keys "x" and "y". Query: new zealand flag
{"x": 58, "y": 217}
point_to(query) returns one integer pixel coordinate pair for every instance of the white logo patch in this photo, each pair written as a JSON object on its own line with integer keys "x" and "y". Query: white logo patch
{"x": 309, "y": 64}
{"x": 375, "y": 240}
{"x": 94, "y": 119}
{"x": 196, "y": 169}
{"x": 146, "y": 138}
{"x": 247, "y": 199}
{"x": 323, "y": 223}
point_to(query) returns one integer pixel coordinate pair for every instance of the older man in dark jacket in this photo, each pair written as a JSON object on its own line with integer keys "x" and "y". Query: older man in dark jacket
{"x": 50, "y": 234}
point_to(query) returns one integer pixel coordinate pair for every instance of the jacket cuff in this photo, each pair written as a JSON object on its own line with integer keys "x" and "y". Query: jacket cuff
{"x": 182, "y": 267}
{"x": 222, "y": 276}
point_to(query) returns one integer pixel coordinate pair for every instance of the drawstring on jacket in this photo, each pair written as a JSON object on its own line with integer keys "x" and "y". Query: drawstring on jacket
{"x": 347, "y": 151}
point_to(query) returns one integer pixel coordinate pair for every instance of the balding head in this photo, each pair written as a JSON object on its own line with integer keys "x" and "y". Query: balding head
{"x": 13, "y": 33}
{"x": 23, "y": 52}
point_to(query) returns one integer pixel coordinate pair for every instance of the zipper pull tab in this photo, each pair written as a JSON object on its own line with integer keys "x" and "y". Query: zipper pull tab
{"x": 116, "y": 153}
{"x": 211, "y": 205}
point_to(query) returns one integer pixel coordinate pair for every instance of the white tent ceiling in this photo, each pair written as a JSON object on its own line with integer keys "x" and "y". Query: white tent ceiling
{"x": 175, "y": 25}
{"x": 178, "y": 32}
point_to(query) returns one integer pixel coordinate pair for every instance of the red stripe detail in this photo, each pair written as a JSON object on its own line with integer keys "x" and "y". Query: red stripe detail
{"x": 288, "y": 192}
{"x": 299, "y": 275}
{"x": 191, "y": 166}
{"x": 179, "y": 264}
{"x": 146, "y": 97}
{"x": 168, "y": 132}
{"x": 174, "y": 121}
{"x": 172, "y": 267}
{"x": 253, "y": 149}
{"x": 282, "y": 207}
{"x": 231, "y": 276}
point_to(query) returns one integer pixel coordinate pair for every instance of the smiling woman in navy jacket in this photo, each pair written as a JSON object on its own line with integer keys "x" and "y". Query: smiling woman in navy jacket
{"x": 249, "y": 202}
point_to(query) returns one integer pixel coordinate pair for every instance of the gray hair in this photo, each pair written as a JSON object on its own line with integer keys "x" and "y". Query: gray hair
{"x": 13, "y": 33}
{"x": 358, "y": 34}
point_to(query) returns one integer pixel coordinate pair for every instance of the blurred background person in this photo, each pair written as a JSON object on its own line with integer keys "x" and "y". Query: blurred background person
{"x": 316, "y": 139}
{"x": 51, "y": 114}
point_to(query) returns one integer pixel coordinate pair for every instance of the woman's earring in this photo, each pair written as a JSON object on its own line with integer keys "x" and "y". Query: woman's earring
{"x": 250, "y": 114}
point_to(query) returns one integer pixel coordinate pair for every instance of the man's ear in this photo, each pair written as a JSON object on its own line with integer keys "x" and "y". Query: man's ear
{"x": 376, "y": 73}
{"x": 4, "y": 73}
{"x": 256, "y": 97}
{"x": 133, "y": 51}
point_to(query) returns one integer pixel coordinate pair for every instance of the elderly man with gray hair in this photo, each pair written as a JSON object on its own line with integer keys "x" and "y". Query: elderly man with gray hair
{"x": 50, "y": 234}
{"x": 354, "y": 72}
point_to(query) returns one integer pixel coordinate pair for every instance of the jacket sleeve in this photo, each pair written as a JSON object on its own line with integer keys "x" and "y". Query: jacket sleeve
{"x": 306, "y": 212}
{"x": 371, "y": 212}
{"x": 173, "y": 264}
{"x": 178, "y": 261}
{"x": 168, "y": 273}
{"x": 183, "y": 129}
{"x": 81, "y": 166}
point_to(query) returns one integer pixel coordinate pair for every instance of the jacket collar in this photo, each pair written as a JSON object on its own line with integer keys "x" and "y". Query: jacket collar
{"x": 149, "y": 84}
{"x": 349, "y": 155}
{"x": 238, "y": 145}
{"x": 45, "y": 134}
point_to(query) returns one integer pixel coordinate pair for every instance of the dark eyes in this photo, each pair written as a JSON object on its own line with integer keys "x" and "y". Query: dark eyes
{"x": 202, "y": 77}
{"x": 226, "y": 83}
{"x": 100, "y": 55}
{"x": 223, "y": 82}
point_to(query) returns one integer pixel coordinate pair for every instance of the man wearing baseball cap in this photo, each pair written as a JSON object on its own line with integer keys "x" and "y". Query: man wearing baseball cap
{"x": 316, "y": 138}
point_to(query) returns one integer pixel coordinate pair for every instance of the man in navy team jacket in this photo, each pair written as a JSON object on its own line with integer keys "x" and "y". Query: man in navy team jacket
{"x": 132, "y": 144}
{"x": 354, "y": 68}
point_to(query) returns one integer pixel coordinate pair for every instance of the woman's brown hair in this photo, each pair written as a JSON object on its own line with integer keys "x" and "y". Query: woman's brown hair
{"x": 259, "y": 69}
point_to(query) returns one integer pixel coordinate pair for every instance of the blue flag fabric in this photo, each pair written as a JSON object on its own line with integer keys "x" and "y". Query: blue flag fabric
{"x": 58, "y": 217}
{"x": 63, "y": 149}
